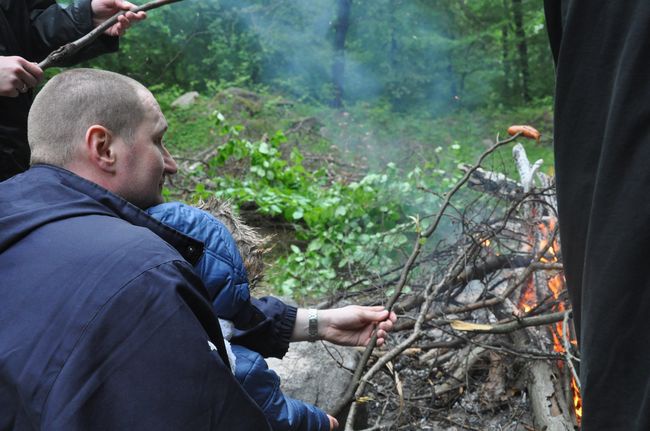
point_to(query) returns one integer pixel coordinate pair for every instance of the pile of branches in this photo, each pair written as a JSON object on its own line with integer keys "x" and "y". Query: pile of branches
{"x": 484, "y": 339}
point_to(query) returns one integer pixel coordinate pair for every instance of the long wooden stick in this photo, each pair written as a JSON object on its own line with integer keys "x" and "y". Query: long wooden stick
{"x": 510, "y": 326}
{"x": 72, "y": 48}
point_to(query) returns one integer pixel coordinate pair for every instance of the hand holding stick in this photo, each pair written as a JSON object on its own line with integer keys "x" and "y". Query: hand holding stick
{"x": 72, "y": 48}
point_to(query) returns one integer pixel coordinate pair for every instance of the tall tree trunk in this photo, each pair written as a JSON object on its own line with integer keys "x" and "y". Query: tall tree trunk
{"x": 393, "y": 51}
{"x": 392, "y": 55}
{"x": 505, "y": 57}
{"x": 522, "y": 49}
{"x": 341, "y": 26}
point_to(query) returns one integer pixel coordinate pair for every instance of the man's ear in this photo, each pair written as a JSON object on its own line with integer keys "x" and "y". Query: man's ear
{"x": 100, "y": 149}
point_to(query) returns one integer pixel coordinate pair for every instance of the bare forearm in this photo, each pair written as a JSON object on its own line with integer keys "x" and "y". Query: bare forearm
{"x": 350, "y": 326}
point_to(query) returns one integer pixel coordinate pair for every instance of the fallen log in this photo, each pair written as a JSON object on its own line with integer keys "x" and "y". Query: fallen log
{"x": 551, "y": 410}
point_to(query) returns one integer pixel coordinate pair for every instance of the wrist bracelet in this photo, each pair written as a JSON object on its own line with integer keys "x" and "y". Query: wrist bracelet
{"x": 313, "y": 324}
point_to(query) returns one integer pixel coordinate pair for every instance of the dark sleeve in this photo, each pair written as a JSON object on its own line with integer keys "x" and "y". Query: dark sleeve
{"x": 265, "y": 326}
{"x": 553, "y": 12}
{"x": 263, "y": 385}
{"x": 146, "y": 361}
{"x": 53, "y": 26}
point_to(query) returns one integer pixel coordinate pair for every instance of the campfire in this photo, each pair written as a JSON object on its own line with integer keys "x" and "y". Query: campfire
{"x": 485, "y": 339}
{"x": 536, "y": 291}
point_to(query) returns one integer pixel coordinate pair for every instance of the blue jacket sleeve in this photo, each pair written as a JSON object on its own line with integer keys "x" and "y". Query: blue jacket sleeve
{"x": 221, "y": 267}
{"x": 146, "y": 361}
{"x": 264, "y": 325}
{"x": 263, "y": 385}
{"x": 268, "y": 328}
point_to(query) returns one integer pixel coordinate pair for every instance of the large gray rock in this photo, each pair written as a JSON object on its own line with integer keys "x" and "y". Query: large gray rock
{"x": 316, "y": 373}
{"x": 185, "y": 100}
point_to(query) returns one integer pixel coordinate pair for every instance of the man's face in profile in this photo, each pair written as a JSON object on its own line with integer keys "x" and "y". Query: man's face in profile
{"x": 146, "y": 161}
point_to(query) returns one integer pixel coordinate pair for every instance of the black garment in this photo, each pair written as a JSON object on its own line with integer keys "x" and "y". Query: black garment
{"x": 602, "y": 157}
{"x": 32, "y": 29}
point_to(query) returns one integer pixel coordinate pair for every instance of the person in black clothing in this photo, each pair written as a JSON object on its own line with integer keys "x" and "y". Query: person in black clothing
{"x": 602, "y": 154}
{"x": 29, "y": 31}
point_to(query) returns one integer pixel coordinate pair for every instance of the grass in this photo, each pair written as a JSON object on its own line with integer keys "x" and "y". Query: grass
{"x": 371, "y": 135}
{"x": 408, "y": 150}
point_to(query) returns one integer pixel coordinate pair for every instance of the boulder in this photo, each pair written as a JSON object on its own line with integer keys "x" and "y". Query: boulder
{"x": 185, "y": 100}
{"x": 239, "y": 100}
{"x": 316, "y": 373}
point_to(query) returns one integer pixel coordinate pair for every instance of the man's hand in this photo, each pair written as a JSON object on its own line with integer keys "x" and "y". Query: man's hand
{"x": 348, "y": 326}
{"x": 104, "y": 9}
{"x": 18, "y": 75}
{"x": 354, "y": 325}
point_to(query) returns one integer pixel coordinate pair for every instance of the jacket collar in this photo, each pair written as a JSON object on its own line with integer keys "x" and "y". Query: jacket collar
{"x": 188, "y": 247}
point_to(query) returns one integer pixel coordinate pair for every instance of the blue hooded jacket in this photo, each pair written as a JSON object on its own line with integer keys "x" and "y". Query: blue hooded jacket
{"x": 104, "y": 325}
{"x": 222, "y": 269}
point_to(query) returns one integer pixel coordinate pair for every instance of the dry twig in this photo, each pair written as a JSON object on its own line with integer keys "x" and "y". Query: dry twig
{"x": 357, "y": 385}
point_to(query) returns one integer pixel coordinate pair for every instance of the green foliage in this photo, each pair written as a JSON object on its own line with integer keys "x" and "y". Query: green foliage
{"x": 192, "y": 44}
{"x": 411, "y": 55}
{"x": 190, "y": 129}
{"x": 343, "y": 230}
{"x": 340, "y": 227}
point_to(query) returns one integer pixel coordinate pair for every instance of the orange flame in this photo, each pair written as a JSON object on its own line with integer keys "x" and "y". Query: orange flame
{"x": 577, "y": 400}
{"x": 556, "y": 285}
{"x": 528, "y": 297}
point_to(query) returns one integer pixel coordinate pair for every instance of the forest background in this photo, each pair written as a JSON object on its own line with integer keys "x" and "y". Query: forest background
{"x": 342, "y": 121}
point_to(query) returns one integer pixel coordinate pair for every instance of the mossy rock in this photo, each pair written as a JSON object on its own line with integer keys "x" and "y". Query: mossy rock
{"x": 238, "y": 100}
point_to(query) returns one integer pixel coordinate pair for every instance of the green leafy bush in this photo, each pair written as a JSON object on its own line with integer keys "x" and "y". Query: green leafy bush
{"x": 342, "y": 229}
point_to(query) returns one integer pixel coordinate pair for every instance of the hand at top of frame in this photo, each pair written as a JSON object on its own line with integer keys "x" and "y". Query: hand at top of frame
{"x": 104, "y": 9}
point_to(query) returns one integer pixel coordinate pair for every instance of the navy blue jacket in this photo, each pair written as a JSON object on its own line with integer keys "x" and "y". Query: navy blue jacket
{"x": 104, "y": 324}
{"x": 222, "y": 270}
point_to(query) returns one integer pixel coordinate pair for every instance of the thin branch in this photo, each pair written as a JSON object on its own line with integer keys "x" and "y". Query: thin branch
{"x": 68, "y": 50}
{"x": 356, "y": 387}
{"x": 487, "y": 266}
{"x": 504, "y": 349}
{"x": 511, "y": 326}
{"x": 483, "y": 303}
{"x": 396, "y": 351}
{"x": 567, "y": 348}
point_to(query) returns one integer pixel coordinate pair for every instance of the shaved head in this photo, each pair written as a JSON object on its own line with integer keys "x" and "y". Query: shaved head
{"x": 73, "y": 101}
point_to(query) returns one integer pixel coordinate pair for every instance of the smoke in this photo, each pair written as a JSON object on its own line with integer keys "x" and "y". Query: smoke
{"x": 403, "y": 53}
{"x": 297, "y": 44}
{"x": 296, "y": 41}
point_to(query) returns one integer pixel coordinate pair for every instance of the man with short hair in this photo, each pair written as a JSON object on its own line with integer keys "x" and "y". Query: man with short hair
{"x": 103, "y": 324}
{"x": 29, "y": 31}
